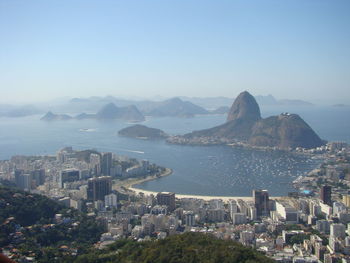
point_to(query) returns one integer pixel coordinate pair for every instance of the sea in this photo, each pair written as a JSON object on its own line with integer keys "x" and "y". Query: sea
{"x": 197, "y": 170}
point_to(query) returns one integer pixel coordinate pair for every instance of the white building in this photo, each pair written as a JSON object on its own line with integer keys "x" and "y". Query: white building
{"x": 288, "y": 213}
{"x": 111, "y": 200}
{"x": 239, "y": 218}
{"x": 337, "y": 231}
{"x": 323, "y": 226}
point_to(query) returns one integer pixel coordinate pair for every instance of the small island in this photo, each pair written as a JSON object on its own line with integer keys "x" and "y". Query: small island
{"x": 49, "y": 116}
{"x": 143, "y": 132}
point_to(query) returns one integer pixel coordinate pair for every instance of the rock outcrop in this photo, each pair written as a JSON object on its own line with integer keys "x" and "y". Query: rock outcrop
{"x": 245, "y": 108}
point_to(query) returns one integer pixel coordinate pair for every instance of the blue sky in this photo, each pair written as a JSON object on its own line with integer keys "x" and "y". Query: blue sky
{"x": 79, "y": 48}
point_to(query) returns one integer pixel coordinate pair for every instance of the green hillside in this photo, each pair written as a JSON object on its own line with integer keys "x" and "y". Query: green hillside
{"x": 185, "y": 248}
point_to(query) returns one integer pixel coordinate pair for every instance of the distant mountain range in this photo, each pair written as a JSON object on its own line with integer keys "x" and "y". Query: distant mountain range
{"x": 269, "y": 100}
{"x": 19, "y": 111}
{"x": 175, "y": 107}
{"x": 244, "y": 123}
{"x": 109, "y": 112}
{"x": 169, "y": 108}
{"x": 149, "y": 107}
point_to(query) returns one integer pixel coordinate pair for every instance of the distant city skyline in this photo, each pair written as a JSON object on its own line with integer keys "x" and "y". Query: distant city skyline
{"x": 290, "y": 49}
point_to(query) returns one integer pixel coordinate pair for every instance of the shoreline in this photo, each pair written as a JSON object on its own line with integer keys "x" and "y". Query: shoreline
{"x": 129, "y": 185}
{"x": 203, "y": 197}
{"x": 130, "y": 182}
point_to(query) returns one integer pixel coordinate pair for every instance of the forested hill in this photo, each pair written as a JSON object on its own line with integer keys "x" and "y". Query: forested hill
{"x": 185, "y": 248}
{"x": 28, "y": 228}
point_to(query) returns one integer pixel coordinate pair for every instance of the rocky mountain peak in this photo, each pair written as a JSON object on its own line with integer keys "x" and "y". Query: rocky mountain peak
{"x": 244, "y": 107}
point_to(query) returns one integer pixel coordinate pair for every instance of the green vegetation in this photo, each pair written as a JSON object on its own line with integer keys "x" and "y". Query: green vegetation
{"x": 85, "y": 155}
{"x": 298, "y": 239}
{"x": 290, "y": 227}
{"x": 27, "y": 223}
{"x": 185, "y": 248}
{"x": 26, "y": 208}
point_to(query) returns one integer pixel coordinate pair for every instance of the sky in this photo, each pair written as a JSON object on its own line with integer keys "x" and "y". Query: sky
{"x": 296, "y": 49}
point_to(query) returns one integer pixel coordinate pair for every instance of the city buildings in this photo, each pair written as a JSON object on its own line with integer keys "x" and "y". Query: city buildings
{"x": 69, "y": 175}
{"x": 326, "y": 194}
{"x": 107, "y": 163}
{"x": 167, "y": 199}
{"x": 99, "y": 187}
{"x": 261, "y": 202}
{"x": 298, "y": 228}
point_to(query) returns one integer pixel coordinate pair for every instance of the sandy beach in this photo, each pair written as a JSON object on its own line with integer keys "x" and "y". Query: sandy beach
{"x": 204, "y": 197}
{"x": 129, "y": 183}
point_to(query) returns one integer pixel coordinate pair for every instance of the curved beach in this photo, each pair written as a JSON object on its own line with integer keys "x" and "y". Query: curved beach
{"x": 131, "y": 182}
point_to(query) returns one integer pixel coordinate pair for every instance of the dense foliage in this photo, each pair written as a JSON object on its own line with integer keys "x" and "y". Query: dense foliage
{"x": 185, "y": 248}
{"x": 27, "y": 223}
{"x": 26, "y": 208}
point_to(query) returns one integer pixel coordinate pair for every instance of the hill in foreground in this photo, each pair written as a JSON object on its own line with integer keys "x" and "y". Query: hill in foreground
{"x": 186, "y": 248}
{"x": 29, "y": 228}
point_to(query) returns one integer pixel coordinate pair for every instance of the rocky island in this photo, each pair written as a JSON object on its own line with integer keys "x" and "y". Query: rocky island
{"x": 143, "y": 132}
{"x": 49, "y": 116}
{"x": 245, "y": 126}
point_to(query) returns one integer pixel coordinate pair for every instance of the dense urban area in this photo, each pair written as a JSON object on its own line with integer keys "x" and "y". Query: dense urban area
{"x": 77, "y": 205}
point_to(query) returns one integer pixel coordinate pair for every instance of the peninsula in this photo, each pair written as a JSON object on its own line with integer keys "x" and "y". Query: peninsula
{"x": 245, "y": 125}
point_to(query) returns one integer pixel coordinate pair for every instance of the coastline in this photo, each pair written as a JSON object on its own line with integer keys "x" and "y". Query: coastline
{"x": 203, "y": 197}
{"x": 129, "y": 185}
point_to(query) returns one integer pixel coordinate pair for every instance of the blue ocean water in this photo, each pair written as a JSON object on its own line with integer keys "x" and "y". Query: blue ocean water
{"x": 214, "y": 170}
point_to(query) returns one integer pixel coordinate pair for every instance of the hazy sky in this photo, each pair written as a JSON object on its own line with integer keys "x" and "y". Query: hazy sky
{"x": 290, "y": 48}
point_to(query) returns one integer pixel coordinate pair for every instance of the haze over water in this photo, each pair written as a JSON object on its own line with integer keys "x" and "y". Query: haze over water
{"x": 202, "y": 170}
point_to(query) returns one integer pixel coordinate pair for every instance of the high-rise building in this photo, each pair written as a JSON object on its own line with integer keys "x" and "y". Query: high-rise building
{"x": 111, "y": 200}
{"x": 69, "y": 175}
{"x": 337, "y": 231}
{"x": 39, "y": 176}
{"x": 106, "y": 163}
{"x": 326, "y": 194}
{"x": 346, "y": 200}
{"x": 261, "y": 202}
{"x": 167, "y": 199}
{"x": 238, "y": 218}
{"x": 99, "y": 187}
{"x": 189, "y": 218}
{"x": 23, "y": 180}
{"x": 95, "y": 164}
